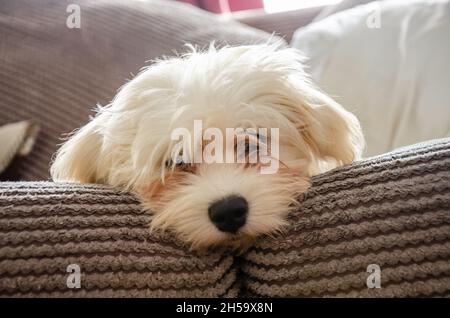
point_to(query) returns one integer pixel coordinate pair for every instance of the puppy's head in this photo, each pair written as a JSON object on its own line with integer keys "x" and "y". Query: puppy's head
{"x": 130, "y": 142}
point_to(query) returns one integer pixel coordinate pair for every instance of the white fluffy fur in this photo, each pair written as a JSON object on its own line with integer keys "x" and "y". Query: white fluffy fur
{"x": 128, "y": 141}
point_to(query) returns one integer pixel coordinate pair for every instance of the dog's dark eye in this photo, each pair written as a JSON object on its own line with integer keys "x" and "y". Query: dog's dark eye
{"x": 247, "y": 147}
{"x": 251, "y": 145}
{"x": 178, "y": 164}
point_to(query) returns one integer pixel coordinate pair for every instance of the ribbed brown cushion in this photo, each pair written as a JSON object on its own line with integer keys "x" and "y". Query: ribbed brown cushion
{"x": 56, "y": 75}
{"x": 44, "y": 227}
{"x": 392, "y": 210}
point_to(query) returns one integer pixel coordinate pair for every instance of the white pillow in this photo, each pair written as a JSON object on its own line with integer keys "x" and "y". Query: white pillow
{"x": 389, "y": 63}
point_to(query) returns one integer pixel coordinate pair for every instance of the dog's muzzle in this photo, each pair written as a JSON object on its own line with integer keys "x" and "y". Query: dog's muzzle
{"x": 229, "y": 214}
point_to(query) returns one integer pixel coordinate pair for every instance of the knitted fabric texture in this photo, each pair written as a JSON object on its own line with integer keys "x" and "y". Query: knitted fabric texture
{"x": 45, "y": 227}
{"x": 392, "y": 210}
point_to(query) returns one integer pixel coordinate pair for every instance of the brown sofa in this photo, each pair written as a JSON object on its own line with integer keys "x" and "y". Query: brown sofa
{"x": 392, "y": 210}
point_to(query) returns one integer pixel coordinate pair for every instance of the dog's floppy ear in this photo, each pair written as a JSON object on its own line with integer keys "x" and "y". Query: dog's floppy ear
{"x": 326, "y": 131}
{"x": 77, "y": 159}
{"x": 331, "y": 132}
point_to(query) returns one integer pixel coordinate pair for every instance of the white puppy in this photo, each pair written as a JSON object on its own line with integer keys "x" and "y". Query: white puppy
{"x": 129, "y": 143}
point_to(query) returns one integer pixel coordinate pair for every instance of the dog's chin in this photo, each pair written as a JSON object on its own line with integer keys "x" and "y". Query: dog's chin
{"x": 237, "y": 243}
{"x": 201, "y": 235}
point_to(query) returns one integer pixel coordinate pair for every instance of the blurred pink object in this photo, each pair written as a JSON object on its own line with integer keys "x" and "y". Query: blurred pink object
{"x": 224, "y": 6}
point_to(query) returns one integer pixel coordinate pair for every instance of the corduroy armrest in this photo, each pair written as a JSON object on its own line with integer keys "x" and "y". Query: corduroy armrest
{"x": 392, "y": 211}
{"x": 45, "y": 227}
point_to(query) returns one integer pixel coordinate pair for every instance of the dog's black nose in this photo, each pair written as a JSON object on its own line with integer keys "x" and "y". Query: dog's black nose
{"x": 229, "y": 214}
